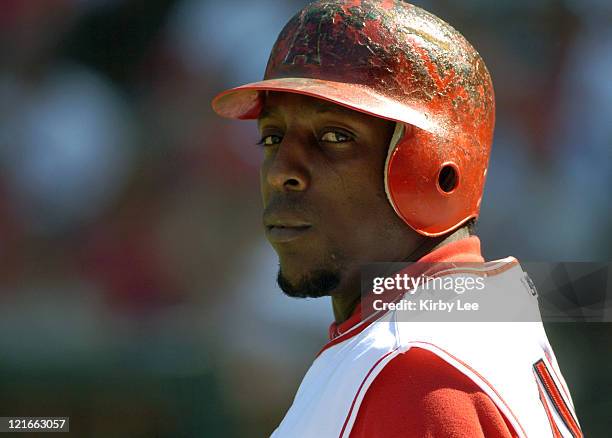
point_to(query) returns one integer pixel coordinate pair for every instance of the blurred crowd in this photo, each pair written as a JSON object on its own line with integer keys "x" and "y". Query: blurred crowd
{"x": 137, "y": 294}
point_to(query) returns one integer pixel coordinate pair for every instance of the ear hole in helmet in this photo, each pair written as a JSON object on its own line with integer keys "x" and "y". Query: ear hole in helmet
{"x": 448, "y": 178}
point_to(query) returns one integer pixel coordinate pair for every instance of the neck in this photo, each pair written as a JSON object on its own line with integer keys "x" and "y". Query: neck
{"x": 344, "y": 304}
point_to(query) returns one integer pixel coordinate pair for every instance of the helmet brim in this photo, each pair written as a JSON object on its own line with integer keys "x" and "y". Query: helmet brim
{"x": 246, "y": 102}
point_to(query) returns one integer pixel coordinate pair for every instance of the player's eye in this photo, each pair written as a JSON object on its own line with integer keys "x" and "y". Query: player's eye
{"x": 335, "y": 137}
{"x": 269, "y": 140}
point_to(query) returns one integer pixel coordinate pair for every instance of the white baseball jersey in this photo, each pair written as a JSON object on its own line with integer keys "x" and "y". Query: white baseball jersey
{"x": 511, "y": 362}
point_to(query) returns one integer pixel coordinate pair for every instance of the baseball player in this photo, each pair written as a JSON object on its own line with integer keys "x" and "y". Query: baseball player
{"x": 376, "y": 122}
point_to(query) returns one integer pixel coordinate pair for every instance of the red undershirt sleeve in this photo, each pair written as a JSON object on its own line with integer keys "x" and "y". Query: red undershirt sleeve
{"x": 419, "y": 395}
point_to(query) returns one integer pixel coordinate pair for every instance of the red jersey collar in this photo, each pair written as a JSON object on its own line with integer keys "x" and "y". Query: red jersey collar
{"x": 460, "y": 251}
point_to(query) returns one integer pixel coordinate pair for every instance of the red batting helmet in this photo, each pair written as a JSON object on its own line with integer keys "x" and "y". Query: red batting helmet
{"x": 392, "y": 60}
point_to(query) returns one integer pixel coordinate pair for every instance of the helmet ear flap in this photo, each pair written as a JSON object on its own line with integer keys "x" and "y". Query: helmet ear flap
{"x": 423, "y": 182}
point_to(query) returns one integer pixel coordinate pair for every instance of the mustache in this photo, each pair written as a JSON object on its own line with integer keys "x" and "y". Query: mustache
{"x": 286, "y": 204}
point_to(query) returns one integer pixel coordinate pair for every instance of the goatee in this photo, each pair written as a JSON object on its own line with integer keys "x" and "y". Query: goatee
{"x": 314, "y": 285}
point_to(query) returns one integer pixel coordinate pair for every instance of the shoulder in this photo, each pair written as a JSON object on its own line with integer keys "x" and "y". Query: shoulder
{"x": 417, "y": 394}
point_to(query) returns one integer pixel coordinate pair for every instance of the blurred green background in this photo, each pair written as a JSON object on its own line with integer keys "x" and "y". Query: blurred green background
{"x": 137, "y": 294}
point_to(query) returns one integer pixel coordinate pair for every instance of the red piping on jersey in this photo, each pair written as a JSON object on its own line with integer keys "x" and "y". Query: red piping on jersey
{"x": 557, "y": 400}
{"x": 481, "y": 272}
{"x": 359, "y": 390}
{"x": 552, "y": 368}
{"x": 461, "y": 251}
{"x": 553, "y": 425}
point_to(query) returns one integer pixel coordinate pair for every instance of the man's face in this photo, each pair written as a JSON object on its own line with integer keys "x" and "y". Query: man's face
{"x": 325, "y": 208}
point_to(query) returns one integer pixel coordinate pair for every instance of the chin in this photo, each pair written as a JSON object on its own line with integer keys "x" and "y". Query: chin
{"x": 313, "y": 284}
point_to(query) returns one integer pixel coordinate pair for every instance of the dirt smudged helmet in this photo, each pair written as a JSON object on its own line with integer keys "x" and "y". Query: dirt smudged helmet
{"x": 392, "y": 60}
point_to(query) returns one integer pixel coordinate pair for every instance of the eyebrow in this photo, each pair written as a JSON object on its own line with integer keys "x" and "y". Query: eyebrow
{"x": 267, "y": 112}
{"x": 329, "y": 107}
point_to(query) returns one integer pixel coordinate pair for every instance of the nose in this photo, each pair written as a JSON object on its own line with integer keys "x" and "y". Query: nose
{"x": 286, "y": 170}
